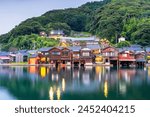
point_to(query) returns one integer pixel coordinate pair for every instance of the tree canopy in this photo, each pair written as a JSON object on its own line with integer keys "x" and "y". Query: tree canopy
{"x": 123, "y": 17}
{"x": 106, "y": 19}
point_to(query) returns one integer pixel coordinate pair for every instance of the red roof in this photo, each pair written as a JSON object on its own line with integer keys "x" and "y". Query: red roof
{"x": 4, "y": 57}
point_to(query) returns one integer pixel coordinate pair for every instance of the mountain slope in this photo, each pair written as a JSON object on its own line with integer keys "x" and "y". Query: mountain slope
{"x": 107, "y": 19}
{"x": 75, "y": 19}
{"x": 123, "y": 18}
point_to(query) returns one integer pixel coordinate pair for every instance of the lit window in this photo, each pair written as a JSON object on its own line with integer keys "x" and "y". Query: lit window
{"x": 65, "y": 53}
{"x": 86, "y": 54}
{"x": 76, "y": 55}
{"x": 124, "y": 55}
{"x": 55, "y": 53}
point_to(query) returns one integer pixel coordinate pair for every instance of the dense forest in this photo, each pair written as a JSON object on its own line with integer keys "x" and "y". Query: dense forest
{"x": 107, "y": 19}
{"x": 130, "y": 19}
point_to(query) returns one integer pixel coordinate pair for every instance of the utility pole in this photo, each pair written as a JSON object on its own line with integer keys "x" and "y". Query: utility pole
{"x": 116, "y": 35}
{"x": 34, "y": 46}
{"x": 0, "y": 47}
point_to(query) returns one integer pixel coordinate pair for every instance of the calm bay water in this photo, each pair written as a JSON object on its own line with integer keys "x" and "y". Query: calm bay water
{"x": 92, "y": 83}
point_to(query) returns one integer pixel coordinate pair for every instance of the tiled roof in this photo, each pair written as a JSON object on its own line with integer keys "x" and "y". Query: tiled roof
{"x": 96, "y": 46}
{"x": 75, "y": 48}
{"x": 4, "y": 53}
{"x": 4, "y": 58}
{"x": 45, "y": 49}
{"x": 147, "y": 49}
{"x": 136, "y": 46}
{"x": 133, "y": 49}
{"x": 86, "y": 49}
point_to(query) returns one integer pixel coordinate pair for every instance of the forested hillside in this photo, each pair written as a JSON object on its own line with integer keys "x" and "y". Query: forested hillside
{"x": 107, "y": 19}
{"x": 75, "y": 19}
{"x": 128, "y": 18}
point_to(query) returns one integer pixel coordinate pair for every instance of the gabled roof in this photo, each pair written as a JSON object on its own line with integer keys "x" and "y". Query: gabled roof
{"x": 4, "y": 58}
{"x": 92, "y": 47}
{"x": 45, "y": 49}
{"x": 132, "y": 48}
{"x": 4, "y": 53}
{"x": 86, "y": 49}
{"x": 75, "y": 48}
{"x": 109, "y": 47}
{"x": 65, "y": 48}
{"x": 136, "y": 46}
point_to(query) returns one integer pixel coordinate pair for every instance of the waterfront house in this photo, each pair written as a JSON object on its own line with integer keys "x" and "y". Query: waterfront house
{"x": 75, "y": 55}
{"x": 140, "y": 59}
{"x": 33, "y": 59}
{"x": 96, "y": 50}
{"x": 44, "y": 55}
{"x": 55, "y": 55}
{"x": 86, "y": 57}
{"x": 110, "y": 55}
{"x": 147, "y": 50}
{"x": 4, "y": 59}
{"x": 66, "y": 56}
{"x": 140, "y": 54}
{"x": 127, "y": 57}
{"x": 21, "y": 56}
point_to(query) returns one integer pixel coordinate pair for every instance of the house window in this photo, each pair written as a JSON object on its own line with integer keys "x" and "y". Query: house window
{"x": 46, "y": 53}
{"x": 124, "y": 55}
{"x": 76, "y": 55}
{"x": 55, "y": 53}
{"x": 65, "y": 53}
{"x": 85, "y": 54}
{"x": 107, "y": 54}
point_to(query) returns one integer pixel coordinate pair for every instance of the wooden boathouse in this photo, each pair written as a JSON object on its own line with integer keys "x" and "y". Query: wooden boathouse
{"x": 110, "y": 55}
{"x": 86, "y": 57}
{"x": 75, "y": 55}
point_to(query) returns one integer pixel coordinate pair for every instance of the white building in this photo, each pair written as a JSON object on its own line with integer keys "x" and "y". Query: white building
{"x": 121, "y": 39}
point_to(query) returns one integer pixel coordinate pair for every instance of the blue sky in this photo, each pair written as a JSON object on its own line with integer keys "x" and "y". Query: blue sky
{"x": 12, "y": 12}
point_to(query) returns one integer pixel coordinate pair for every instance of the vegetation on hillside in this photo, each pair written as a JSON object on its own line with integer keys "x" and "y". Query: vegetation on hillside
{"x": 123, "y": 18}
{"x": 73, "y": 19}
{"x": 107, "y": 19}
{"x": 30, "y": 42}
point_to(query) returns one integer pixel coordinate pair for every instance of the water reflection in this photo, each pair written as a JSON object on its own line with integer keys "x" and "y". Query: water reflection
{"x": 35, "y": 82}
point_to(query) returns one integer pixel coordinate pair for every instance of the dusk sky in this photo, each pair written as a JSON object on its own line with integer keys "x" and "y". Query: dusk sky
{"x": 12, "y": 12}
